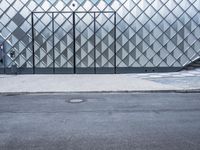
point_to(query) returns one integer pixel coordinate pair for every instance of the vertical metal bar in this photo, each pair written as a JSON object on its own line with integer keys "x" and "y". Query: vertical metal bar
{"x": 115, "y": 44}
{"x": 33, "y": 40}
{"x": 53, "y": 43}
{"x": 95, "y": 67}
{"x": 4, "y": 58}
{"x": 74, "y": 38}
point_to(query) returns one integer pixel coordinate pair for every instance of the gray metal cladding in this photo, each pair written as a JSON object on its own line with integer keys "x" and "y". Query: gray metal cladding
{"x": 149, "y": 33}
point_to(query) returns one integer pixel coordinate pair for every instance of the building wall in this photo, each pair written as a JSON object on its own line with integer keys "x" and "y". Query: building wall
{"x": 149, "y": 33}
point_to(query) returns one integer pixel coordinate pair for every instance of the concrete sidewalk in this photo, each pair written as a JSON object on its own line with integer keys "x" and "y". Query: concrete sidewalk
{"x": 178, "y": 81}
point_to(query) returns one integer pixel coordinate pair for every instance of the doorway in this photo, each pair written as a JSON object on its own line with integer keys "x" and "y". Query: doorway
{"x": 74, "y": 42}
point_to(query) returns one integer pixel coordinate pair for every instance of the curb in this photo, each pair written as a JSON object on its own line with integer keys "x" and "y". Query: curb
{"x": 103, "y": 92}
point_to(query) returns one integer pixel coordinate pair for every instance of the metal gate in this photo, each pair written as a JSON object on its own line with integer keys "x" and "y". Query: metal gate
{"x": 74, "y": 42}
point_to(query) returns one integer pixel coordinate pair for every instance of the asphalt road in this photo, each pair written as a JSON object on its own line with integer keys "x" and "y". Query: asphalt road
{"x": 159, "y": 121}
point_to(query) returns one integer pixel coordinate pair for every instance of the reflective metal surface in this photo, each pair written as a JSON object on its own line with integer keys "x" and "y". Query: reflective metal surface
{"x": 151, "y": 35}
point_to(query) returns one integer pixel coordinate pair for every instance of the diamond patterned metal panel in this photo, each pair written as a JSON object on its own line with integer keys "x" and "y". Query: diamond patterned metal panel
{"x": 63, "y": 40}
{"x": 43, "y": 40}
{"x": 84, "y": 34}
{"x": 150, "y": 33}
{"x": 105, "y": 40}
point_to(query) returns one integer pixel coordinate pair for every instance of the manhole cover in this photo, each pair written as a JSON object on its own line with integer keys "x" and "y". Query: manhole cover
{"x": 77, "y": 100}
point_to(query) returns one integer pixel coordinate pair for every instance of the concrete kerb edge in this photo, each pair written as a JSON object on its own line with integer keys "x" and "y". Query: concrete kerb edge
{"x": 103, "y": 92}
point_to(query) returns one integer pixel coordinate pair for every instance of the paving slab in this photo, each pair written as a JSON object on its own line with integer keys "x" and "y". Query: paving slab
{"x": 181, "y": 81}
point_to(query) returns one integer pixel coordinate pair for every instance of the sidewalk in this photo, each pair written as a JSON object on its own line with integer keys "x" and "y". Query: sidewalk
{"x": 154, "y": 82}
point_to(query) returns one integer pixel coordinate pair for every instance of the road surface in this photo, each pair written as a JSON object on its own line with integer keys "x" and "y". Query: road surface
{"x": 128, "y": 121}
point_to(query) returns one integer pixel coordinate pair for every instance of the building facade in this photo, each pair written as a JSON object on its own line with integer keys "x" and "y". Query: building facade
{"x": 98, "y": 36}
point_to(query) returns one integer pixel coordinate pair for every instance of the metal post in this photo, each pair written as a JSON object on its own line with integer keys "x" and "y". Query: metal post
{"x": 4, "y": 58}
{"x": 53, "y": 43}
{"x": 74, "y": 38}
{"x": 115, "y": 44}
{"x": 95, "y": 69}
{"x": 33, "y": 40}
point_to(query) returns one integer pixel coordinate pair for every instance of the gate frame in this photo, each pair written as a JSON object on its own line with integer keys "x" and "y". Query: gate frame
{"x": 73, "y": 13}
